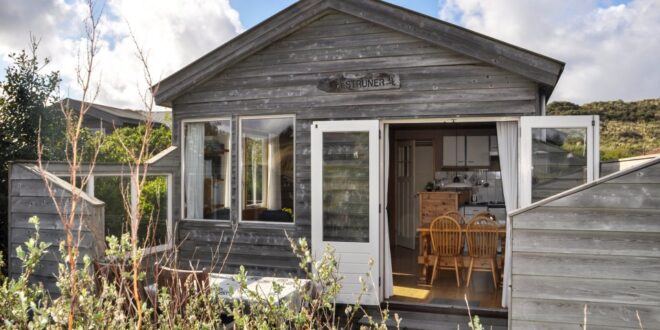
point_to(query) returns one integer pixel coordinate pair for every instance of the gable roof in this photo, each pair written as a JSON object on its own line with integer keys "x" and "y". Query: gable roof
{"x": 536, "y": 67}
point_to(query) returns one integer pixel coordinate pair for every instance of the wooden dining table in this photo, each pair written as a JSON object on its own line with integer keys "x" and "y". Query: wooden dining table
{"x": 426, "y": 257}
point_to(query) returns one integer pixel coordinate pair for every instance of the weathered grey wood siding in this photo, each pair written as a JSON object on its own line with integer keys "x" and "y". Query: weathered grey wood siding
{"x": 29, "y": 196}
{"x": 282, "y": 79}
{"x": 599, "y": 246}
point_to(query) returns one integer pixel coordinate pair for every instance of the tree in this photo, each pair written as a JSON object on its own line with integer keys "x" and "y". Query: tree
{"x": 24, "y": 98}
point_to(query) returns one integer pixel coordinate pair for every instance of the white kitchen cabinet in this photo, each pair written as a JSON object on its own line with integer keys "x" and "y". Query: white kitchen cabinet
{"x": 453, "y": 151}
{"x": 478, "y": 151}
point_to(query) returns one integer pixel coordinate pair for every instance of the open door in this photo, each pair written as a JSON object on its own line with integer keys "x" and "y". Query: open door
{"x": 405, "y": 194}
{"x": 557, "y": 153}
{"x": 345, "y": 203}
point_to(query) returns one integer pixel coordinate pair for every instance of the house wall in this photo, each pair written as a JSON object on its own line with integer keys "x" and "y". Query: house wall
{"x": 598, "y": 246}
{"x": 282, "y": 79}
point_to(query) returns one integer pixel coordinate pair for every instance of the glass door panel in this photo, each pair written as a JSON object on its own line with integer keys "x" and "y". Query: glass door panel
{"x": 346, "y": 186}
{"x": 557, "y": 153}
{"x": 559, "y": 160}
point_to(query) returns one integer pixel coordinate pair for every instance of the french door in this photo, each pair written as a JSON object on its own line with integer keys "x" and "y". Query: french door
{"x": 345, "y": 203}
{"x": 557, "y": 153}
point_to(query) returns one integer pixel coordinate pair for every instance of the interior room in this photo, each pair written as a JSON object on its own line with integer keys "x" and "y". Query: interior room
{"x": 440, "y": 170}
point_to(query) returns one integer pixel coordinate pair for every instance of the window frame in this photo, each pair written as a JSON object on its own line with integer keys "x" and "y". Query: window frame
{"x": 169, "y": 224}
{"x": 240, "y": 181}
{"x": 183, "y": 164}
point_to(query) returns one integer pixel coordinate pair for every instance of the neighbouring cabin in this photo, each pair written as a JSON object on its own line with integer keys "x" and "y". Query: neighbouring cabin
{"x": 29, "y": 196}
{"x": 591, "y": 253}
{"x": 102, "y": 210}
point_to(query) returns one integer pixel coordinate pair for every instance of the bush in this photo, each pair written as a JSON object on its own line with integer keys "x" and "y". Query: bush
{"x": 106, "y": 303}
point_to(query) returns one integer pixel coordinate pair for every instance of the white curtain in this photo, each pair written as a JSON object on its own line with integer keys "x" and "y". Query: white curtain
{"x": 388, "y": 282}
{"x": 194, "y": 170}
{"x": 507, "y": 142}
{"x": 274, "y": 199}
{"x": 227, "y": 182}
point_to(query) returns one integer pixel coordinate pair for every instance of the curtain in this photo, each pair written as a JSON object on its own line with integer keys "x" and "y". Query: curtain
{"x": 507, "y": 142}
{"x": 274, "y": 198}
{"x": 388, "y": 277}
{"x": 194, "y": 170}
{"x": 227, "y": 167}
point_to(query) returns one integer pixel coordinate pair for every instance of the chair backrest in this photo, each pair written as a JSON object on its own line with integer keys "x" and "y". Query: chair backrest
{"x": 484, "y": 214}
{"x": 482, "y": 235}
{"x": 446, "y": 236}
{"x": 456, "y": 216}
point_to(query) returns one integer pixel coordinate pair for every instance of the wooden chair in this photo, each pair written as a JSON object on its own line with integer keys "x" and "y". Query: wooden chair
{"x": 447, "y": 242}
{"x": 456, "y": 216}
{"x": 482, "y": 236}
{"x": 484, "y": 214}
{"x": 181, "y": 284}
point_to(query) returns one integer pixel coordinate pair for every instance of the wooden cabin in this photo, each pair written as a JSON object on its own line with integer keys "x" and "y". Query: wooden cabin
{"x": 331, "y": 119}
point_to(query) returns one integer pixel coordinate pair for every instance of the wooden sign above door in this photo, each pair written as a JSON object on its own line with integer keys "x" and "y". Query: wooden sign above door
{"x": 352, "y": 82}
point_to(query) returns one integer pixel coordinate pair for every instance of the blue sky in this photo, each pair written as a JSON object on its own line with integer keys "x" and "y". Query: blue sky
{"x": 254, "y": 11}
{"x": 610, "y": 47}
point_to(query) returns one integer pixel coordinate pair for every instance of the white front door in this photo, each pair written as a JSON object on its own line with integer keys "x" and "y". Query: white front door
{"x": 405, "y": 194}
{"x": 557, "y": 153}
{"x": 345, "y": 203}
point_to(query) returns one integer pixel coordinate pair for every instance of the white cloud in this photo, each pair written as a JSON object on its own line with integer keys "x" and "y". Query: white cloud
{"x": 611, "y": 52}
{"x": 171, "y": 32}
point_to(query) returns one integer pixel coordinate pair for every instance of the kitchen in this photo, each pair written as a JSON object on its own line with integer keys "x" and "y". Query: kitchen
{"x": 443, "y": 167}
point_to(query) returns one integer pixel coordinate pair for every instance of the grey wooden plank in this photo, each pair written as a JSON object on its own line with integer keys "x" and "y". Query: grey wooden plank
{"x": 614, "y": 195}
{"x": 580, "y": 289}
{"x": 587, "y": 266}
{"x": 598, "y": 314}
{"x": 437, "y": 73}
{"x": 589, "y": 219}
{"x": 35, "y": 187}
{"x": 54, "y": 237}
{"x": 350, "y": 29}
{"x": 391, "y": 110}
{"x": 389, "y": 37}
{"x": 343, "y": 53}
{"x": 351, "y": 64}
{"x": 647, "y": 175}
{"x": 45, "y": 205}
{"x": 416, "y": 86}
{"x": 532, "y": 325}
{"x": 639, "y": 244}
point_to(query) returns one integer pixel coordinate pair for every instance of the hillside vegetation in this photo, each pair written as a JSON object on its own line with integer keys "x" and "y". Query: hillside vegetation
{"x": 627, "y": 129}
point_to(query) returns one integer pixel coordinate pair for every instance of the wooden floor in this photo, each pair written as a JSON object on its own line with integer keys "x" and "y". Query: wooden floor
{"x": 480, "y": 294}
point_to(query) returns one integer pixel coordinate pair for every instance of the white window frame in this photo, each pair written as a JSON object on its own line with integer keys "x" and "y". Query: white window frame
{"x": 240, "y": 171}
{"x": 169, "y": 222}
{"x": 183, "y": 164}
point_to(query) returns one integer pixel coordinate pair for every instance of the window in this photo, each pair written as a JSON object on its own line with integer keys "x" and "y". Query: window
{"x": 267, "y": 157}
{"x": 207, "y": 170}
{"x": 115, "y": 192}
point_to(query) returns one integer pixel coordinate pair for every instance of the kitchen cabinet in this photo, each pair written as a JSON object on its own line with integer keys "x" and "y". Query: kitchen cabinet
{"x": 466, "y": 151}
{"x": 453, "y": 151}
{"x": 477, "y": 151}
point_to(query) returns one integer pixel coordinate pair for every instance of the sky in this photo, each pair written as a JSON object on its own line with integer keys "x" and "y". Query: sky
{"x": 611, "y": 47}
